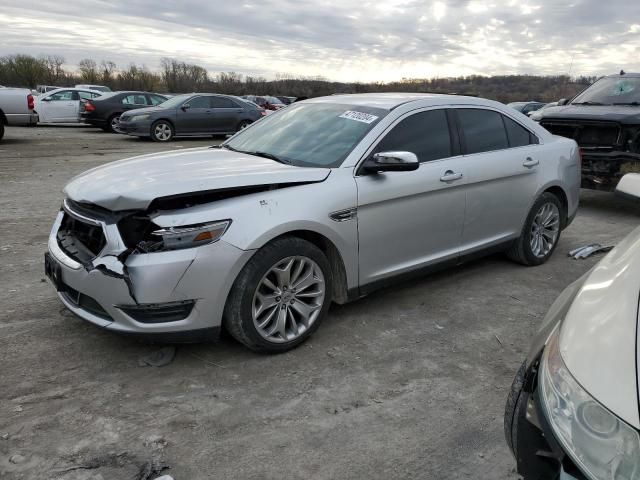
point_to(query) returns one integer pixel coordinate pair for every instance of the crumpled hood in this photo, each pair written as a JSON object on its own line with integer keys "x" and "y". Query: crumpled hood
{"x": 134, "y": 183}
{"x": 622, "y": 114}
{"x": 599, "y": 334}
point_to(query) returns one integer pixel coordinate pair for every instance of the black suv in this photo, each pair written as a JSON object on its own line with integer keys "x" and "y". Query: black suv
{"x": 605, "y": 121}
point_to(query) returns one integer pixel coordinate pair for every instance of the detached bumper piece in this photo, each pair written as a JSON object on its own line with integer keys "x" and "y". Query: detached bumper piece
{"x": 159, "y": 312}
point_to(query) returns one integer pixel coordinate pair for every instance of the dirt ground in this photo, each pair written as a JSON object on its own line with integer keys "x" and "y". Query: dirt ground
{"x": 407, "y": 383}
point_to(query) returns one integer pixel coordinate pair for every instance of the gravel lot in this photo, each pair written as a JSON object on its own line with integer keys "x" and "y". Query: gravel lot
{"x": 407, "y": 383}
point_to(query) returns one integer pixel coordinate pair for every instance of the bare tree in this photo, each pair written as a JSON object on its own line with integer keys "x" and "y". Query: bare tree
{"x": 107, "y": 70}
{"x": 26, "y": 70}
{"x": 88, "y": 70}
{"x": 54, "y": 73}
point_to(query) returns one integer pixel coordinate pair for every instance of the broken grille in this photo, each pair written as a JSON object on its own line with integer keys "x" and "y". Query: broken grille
{"x": 80, "y": 238}
{"x": 586, "y": 134}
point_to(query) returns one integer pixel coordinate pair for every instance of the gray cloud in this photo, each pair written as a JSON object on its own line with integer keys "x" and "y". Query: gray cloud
{"x": 342, "y": 40}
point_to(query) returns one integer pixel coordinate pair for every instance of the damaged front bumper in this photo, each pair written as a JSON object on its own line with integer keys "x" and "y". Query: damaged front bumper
{"x": 602, "y": 170}
{"x": 178, "y": 294}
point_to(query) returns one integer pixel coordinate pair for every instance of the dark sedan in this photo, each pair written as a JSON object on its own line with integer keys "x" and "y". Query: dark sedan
{"x": 105, "y": 111}
{"x": 197, "y": 114}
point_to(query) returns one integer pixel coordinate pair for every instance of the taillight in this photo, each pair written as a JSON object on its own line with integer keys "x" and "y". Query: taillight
{"x": 30, "y": 102}
{"x": 89, "y": 107}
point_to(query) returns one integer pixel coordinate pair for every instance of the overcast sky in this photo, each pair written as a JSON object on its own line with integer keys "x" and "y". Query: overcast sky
{"x": 347, "y": 40}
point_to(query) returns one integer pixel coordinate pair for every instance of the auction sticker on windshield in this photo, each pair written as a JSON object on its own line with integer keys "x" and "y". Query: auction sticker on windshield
{"x": 359, "y": 116}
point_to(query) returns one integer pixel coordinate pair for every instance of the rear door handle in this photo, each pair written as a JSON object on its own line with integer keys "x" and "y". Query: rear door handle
{"x": 450, "y": 176}
{"x": 530, "y": 162}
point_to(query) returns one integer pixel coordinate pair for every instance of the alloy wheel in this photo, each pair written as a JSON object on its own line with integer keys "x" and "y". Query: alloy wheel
{"x": 115, "y": 124}
{"x": 545, "y": 229}
{"x": 288, "y": 299}
{"x": 162, "y": 132}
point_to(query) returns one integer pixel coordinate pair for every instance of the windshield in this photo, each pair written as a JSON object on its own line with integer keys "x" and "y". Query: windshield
{"x": 309, "y": 135}
{"x": 610, "y": 91}
{"x": 174, "y": 101}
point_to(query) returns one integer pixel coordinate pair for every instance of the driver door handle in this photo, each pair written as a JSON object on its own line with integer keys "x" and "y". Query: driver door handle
{"x": 450, "y": 176}
{"x": 530, "y": 162}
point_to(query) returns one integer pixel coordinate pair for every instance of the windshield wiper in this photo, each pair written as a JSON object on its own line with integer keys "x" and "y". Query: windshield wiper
{"x": 635, "y": 104}
{"x": 268, "y": 155}
{"x": 588, "y": 103}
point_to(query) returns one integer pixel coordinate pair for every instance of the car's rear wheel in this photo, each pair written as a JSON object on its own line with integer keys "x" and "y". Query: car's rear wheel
{"x": 1, "y": 130}
{"x": 541, "y": 232}
{"x": 280, "y": 297}
{"x": 114, "y": 123}
{"x": 242, "y": 125}
{"x": 162, "y": 131}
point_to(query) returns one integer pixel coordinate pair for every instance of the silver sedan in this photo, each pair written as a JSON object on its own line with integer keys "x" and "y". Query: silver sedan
{"x": 321, "y": 202}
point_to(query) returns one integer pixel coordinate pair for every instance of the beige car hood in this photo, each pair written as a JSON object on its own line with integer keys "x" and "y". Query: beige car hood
{"x": 598, "y": 341}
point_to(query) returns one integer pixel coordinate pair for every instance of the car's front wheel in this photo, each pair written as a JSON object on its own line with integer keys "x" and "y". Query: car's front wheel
{"x": 541, "y": 232}
{"x": 162, "y": 131}
{"x": 1, "y": 130}
{"x": 280, "y": 297}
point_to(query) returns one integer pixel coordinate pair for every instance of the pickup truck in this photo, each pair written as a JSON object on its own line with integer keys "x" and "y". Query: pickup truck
{"x": 16, "y": 108}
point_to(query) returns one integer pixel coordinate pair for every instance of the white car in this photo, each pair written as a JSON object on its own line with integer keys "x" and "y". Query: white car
{"x": 573, "y": 410}
{"x": 62, "y": 105}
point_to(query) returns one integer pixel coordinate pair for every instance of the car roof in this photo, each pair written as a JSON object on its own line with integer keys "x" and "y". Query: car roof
{"x": 74, "y": 89}
{"x": 389, "y": 101}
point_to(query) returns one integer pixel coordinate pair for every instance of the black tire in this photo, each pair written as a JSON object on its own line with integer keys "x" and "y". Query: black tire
{"x": 1, "y": 130}
{"x": 238, "y": 319}
{"x": 512, "y": 408}
{"x": 243, "y": 124}
{"x": 168, "y": 128}
{"x": 521, "y": 251}
{"x": 110, "y": 127}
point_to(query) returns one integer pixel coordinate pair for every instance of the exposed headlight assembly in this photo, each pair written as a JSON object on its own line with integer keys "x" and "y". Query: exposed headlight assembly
{"x": 139, "y": 118}
{"x": 174, "y": 238}
{"x": 600, "y": 444}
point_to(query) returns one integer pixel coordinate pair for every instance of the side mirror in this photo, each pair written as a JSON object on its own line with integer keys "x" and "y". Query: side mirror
{"x": 45, "y": 99}
{"x": 562, "y": 101}
{"x": 391, "y": 162}
{"x": 185, "y": 107}
{"x": 629, "y": 186}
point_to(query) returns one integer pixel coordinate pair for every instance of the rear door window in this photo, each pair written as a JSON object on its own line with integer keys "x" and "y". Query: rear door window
{"x": 156, "y": 99}
{"x": 517, "y": 134}
{"x": 199, "y": 102}
{"x": 86, "y": 95}
{"x": 135, "y": 99}
{"x": 425, "y": 133}
{"x": 222, "y": 102}
{"x": 482, "y": 130}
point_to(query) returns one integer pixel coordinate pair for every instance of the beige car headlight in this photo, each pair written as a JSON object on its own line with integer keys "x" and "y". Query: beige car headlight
{"x": 600, "y": 444}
